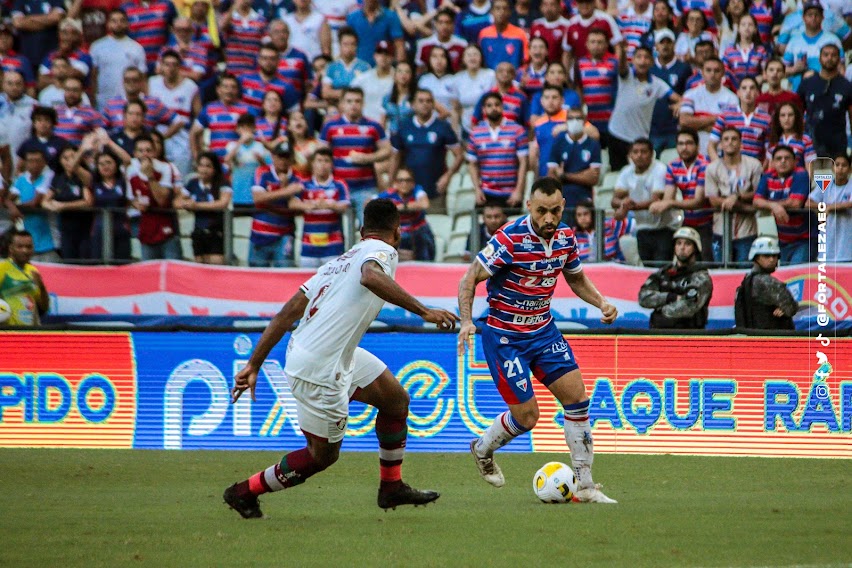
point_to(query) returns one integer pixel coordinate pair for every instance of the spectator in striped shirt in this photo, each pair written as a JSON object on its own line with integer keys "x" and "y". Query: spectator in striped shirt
{"x": 551, "y": 27}
{"x": 747, "y": 57}
{"x": 11, "y": 61}
{"x": 497, "y": 156}
{"x": 75, "y": 119}
{"x": 584, "y": 232}
{"x": 244, "y": 29}
{"x": 156, "y": 113}
{"x": 293, "y": 65}
{"x": 266, "y": 77}
{"x": 531, "y": 76}
{"x": 686, "y": 175}
{"x": 358, "y": 144}
{"x": 149, "y": 25}
{"x": 788, "y": 129}
{"x": 515, "y": 102}
{"x": 599, "y": 80}
{"x": 323, "y": 200}
{"x": 752, "y": 122}
{"x": 782, "y": 189}
{"x": 417, "y": 242}
{"x": 220, "y": 117}
{"x": 194, "y": 58}
{"x": 634, "y": 23}
{"x": 71, "y": 47}
{"x": 703, "y": 104}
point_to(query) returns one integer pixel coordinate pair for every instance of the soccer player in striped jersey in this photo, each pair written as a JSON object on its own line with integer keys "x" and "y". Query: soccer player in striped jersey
{"x": 323, "y": 199}
{"x": 326, "y": 369}
{"x": 751, "y": 121}
{"x": 522, "y": 263}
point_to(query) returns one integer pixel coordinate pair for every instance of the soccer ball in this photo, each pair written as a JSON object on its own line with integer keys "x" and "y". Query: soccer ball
{"x": 555, "y": 483}
{"x": 5, "y": 312}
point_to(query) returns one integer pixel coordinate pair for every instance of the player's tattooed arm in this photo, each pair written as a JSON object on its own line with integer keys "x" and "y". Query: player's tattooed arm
{"x": 475, "y": 274}
{"x": 246, "y": 379}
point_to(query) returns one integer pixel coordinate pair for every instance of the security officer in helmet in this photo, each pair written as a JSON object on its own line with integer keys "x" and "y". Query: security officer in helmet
{"x": 763, "y": 301}
{"x": 680, "y": 292}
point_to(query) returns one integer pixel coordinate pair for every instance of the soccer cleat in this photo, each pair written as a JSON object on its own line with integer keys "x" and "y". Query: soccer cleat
{"x": 247, "y": 507}
{"x": 405, "y": 495}
{"x": 488, "y": 468}
{"x": 592, "y": 495}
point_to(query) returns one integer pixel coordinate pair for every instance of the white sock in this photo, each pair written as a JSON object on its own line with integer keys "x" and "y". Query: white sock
{"x": 578, "y": 436}
{"x": 503, "y": 430}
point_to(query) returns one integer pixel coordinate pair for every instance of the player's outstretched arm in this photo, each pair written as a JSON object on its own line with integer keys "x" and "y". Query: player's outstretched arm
{"x": 376, "y": 281}
{"x": 475, "y": 274}
{"x": 280, "y": 324}
{"x": 586, "y": 291}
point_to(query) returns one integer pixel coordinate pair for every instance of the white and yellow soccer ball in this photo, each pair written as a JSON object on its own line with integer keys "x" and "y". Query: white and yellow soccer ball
{"x": 555, "y": 482}
{"x": 5, "y": 312}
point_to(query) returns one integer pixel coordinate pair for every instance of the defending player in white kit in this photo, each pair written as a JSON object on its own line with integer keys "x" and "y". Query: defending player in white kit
{"x": 326, "y": 369}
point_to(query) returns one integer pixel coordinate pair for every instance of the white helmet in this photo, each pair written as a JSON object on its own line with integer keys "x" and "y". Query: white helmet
{"x": 690, "y": 234}
{"x": 763, "y": 245}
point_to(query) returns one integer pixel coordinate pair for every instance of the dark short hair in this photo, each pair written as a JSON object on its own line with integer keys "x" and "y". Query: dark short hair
{"x": 268, "y": 47}
{"x": 752, "y": 79}
{"x": 730, "y": 128}
{"x": 35, "y": 150}
{"x": 783, "y": 148}
{"x": 446, "y": 12}
{"x": 171, "y": 53}
{"x": 323, "y": 151}
{"x": 227, "y": 77}
{"x": 705, "y": 43}
{"x": 491, "y": 204}
{"x": 713, "y": 59}
{"x": 491, "y": 95}
{"x": 691, "y": 132}
{"x": 18, "y": 233}
{"x": 546, "y": 185}
{"x": 381, "y": 216}
{"x": 44, "y": 112}
{"x": 644, "y": 48}
{"x": 541, "y": 39}
{"x": 350, "y": 90}
{"x": 140, "y": 103}
{"x": 117, "y": 11}
{"x": 643, "y": 142}
{"x": 587, "y": 203}
{"x": 419, "y": 90}
{"x": 843, "y": 155}
{"x": 549, "y": 87}
{"x": 246, "y": 119}
{"x": 145, "y": 138}
{"x": 597, "y": 31}
{"x": 347, "y": 31}
{"x": 831, "y": 45}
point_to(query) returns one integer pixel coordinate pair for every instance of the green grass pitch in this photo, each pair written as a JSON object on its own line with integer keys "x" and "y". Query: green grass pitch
{"x": 109, "y": 508}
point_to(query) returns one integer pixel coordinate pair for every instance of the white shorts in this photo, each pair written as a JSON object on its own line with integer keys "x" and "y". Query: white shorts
{"x": 324, "y": 410}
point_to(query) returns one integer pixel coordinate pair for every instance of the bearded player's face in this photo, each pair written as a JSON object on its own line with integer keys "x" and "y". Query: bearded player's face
{"x": 545, "y": 213}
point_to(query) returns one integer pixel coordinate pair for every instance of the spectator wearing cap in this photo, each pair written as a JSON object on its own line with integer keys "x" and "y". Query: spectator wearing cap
{"x": 179, "y": 94}
{"x": 828, "y": 103}
{"x": 323, "y": 201}
{"x": 675, "y": 73}
{"x": 503, "y": 42}
{"x": 422, "y": 143}
{"x": 149, "y": 23}
{"x": 272, "y": 229}
{"x": 730, "y": 183}
{"x": 219, "y": 117}
{"x": 16, "y": 109}
{"x": 266, "y": 77}
{"x": 342, "y": 71}
{"x": 443, "y": 37}
{"x": 376, "y": 83}
{"x": 27, "y": 192}
{"x": 783, "y": 188}
{"x": 111, "y": 56}
{"x": 802, "y": 51}
{"x": 71, "y": 47}
{"x": 37, "y": 23}
{"x": 75, "y": 119}
{"x": 43, "y": 138}
{"x": 294, "y": 67}
{"x": 373, "y": 24}
{"x": 12, "y": 61}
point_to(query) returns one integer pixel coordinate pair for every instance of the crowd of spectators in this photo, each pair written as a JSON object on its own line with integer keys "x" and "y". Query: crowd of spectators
{"x": 705, "y": 109}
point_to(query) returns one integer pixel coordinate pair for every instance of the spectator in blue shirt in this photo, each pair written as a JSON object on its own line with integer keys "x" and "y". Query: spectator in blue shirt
{"x": 473, "y": 19}
{"x": 575, "y": 160}
{"x": 37, "y": 22}
{"x": 675, "y": 73}
{"x": 373, "y": 24}
{"x": 422, "y": 143}
{"x": 340, "y": 72}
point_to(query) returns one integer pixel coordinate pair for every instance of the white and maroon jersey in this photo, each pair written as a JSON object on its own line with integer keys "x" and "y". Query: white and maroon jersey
{"x": 524, "y": 270}
{"x": 339, "y": 312}
{"x": 455, "y": 47}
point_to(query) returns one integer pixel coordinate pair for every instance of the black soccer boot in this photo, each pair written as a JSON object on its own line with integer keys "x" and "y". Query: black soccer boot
{"x": 405, "y": 495}
{"x": 247, "y": 507}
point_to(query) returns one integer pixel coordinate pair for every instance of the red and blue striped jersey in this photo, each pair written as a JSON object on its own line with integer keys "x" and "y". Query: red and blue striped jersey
{"x": 157, "y": 112}
{"x": 497, "y": 154}
{"x": 516, "y": 106}
{"x": 11, "y": 61}
{"x": 149, "y": 25}
{"x": 323, "y": 232}
{"x": 344, "y": 137}
{"x": 266, "y": 130}
{"x": 295, "y": 69}
{"x": 254, "y": 87}
{"x": 553, "y": 33}
{"x": 697, "y": 79}
{"x": 221, "y": 120}
{"x": 74, "y": 123}
{"x": 243, "y": 38}
{"x": 409, "y": 221}
{"x": 524, "y": 270}
{"x": 194, "y": 57}
{"x": 794, "y": 186}
{"x": 802, "y": 147}
{"x": 764, "y": 16}
{"x": 531, "y": 80}
{"x": 687, "y": 180}
{"x": 268, "y": 227}
{"x": 599, "y": 80}
{"x": 706, "y": 6}
{"x": 742, "y": 64}
{"x": 613, "y": 230}
{"x": 79, "y": 60}
{"x": 633, "y": 26}
{"x": 754, "y": 130}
